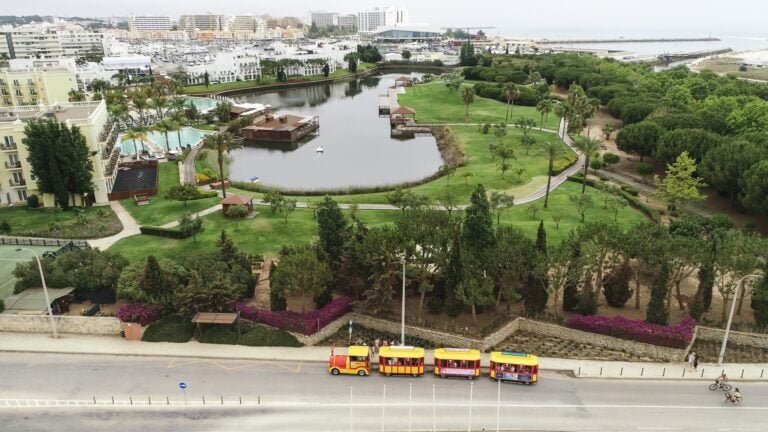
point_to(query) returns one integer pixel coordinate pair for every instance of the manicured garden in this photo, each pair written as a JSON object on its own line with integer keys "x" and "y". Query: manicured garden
{"x": 75, "y": 223}
{"x": 436, "y": 103}
{"x": 162, "y": 210}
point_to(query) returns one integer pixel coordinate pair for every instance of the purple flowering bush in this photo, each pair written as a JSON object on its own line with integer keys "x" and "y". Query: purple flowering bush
{"x": 305, "y": 323}
{"x": 141, "y": 313}
{"x": 672, "y": 336}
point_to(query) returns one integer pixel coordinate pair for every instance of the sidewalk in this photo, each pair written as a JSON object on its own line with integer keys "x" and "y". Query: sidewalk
{"x": 130, "y": 228}
{"x": 112, "y": 345}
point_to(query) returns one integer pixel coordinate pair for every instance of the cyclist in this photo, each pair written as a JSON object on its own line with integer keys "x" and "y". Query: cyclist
{"x": 736, "y": 395}
{"x": 721, "y": 379}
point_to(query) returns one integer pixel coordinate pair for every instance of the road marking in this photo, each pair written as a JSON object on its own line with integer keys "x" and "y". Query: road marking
{"x": 174, "y": 363}
{"x": 656, "y": 428}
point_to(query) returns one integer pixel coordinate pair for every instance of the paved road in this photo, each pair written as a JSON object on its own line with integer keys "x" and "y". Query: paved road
{"x": 303, "y": 397}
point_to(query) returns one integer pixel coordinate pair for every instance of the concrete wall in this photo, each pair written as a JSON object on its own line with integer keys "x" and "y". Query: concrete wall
{"x": 436, "y": 337}
{"x": 64, "y": 324}
{"x": 739, "y": 338}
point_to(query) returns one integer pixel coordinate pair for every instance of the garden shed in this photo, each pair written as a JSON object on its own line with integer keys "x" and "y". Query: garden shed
{"x": 233, "y": 200}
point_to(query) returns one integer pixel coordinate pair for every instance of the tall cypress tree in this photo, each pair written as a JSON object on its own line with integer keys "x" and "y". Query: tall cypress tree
{"x": 657, "y": 310}
{"x": 332, "y": 229}
{"x": 454, "y": 276}
{"x": 541, "y": 238}
{"x": 571, "y": 286}
{"x": 759, "y": 301}
{"x": 41, "y": 139}
{"x": 153, "y": 282}
{"x": 706, "y": 283}
{"x": 477, "y": 232}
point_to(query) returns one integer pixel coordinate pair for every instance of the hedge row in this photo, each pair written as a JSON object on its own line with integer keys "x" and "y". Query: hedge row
{"x": 163, "y": 232}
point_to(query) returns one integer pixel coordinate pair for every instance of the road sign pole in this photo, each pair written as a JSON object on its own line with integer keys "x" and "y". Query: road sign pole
{"x": 183, "y": 387}
{"x": 434, "y": 427}
{"x": 185, "y": 396}
{"x": 498, "y": 405}
{"x": 471, "y": 391}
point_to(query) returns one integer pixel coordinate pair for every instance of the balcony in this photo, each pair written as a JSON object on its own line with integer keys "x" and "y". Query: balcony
{"x": 13, "y": 165}
{"x": 18, "y": 183}
{"x": 8, "y": 147}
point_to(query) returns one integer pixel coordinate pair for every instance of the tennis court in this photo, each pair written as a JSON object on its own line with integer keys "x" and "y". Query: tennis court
{"x": 9, "y": 257}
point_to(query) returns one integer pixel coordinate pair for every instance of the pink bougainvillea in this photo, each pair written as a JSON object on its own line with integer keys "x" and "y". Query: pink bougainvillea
{"x": 305, "y": 323}
{"x": 140, "y": 313}
{"x": 672, "y": 336}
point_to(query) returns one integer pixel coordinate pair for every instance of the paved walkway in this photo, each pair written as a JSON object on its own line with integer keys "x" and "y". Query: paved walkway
{"x": 201, "y": 213}
{"x": 130, "y": 228}
{"x": 188, "y": 170}
{"x": 114, "y": 345}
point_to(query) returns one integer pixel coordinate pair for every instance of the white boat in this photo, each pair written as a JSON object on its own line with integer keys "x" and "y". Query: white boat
{"x": 319, "y": 149}
{"x": 254, "y": 179}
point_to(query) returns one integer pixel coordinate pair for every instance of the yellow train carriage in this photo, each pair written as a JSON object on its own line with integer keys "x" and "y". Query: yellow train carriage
{"x": 457, "y": 362}
{"x": 401, "y": 360}
{"x": 514, "y": 366}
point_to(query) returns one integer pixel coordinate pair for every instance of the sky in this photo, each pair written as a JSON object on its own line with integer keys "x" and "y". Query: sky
{"x": 608, "y": 18}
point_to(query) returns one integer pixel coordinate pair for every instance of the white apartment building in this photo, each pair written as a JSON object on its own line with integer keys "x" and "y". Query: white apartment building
{"x": 209, "y": 22}
{"x": 324, "y": 19}
{"x": 16, "y": 180}
{"x": 240, "y": 65}
{"x": 38, "y": 42}
{"x": 149, "y": 23}
{"x": 347, "y": 22}
{"x": 381, "y": 17}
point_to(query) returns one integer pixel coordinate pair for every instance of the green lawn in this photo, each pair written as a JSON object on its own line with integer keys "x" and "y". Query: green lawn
{"x": 267, "y": 233}
{"x": 481, "y": 165}
{"x": 76, "y": 223}
{"x": 560, "y": 204}
{"x": 435, "y": 103}
{"x": 267, "y": 80}
{"x": 264, "y": 234}
{"x": 161, "y": 210}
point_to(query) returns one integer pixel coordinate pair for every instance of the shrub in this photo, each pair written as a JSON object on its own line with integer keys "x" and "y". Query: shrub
{"x": 616, "y": 287}
{"x": 219, "y": 334}
{"x": 141, "y": 313}
{"x": 323, "y": 298}
{"x": 169, "y": 330}
{"x": 630, "y": 190}
{"x": 33, "y": 201}
{"x": 5, "y": 227}
{"x": 453, "y": 307}
{"x": 163, "y": 232}
{"x": 260, "y": 336}
{"x": 305, "y": 323}
{"x": 611, "y": 158}
{"x": 435, "y": 305}
{"x": 596, "y": 164}
{"x": 561, "y": 164}
{"x": 676, "y": 336}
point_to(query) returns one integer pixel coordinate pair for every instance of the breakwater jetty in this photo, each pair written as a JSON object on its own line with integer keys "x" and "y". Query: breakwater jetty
{"x": 623, "y": 40}
{"x": 665, "y": 59}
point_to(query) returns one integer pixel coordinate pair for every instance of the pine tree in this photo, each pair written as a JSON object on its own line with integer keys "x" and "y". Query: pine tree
{"x": 571, "y": 285}
{"x": 657, "y": 308}
{"x": 588, "y": 297}
{"x": 454, "y": 275}
{"x": 154, "y": 282}
{"x": 333, "y": 230}
{"x": 696, "y": 308}
{"x": 536, "y": 294}
{"x": 616, "y": 286}
{"x": 227, "y": 250}
{"x": 541, "y": 239}
{"x": 477, "y": 232}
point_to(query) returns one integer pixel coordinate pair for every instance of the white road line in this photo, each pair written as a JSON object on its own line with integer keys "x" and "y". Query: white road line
{"x": 657, "y": 428}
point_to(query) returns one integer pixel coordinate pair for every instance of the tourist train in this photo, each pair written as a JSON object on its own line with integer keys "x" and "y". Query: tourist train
{"x": 505, "y": 366}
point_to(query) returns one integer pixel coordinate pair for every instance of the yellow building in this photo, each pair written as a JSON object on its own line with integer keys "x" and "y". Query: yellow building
{"x": 35, "y": 86}
{"x": 16, "y": 179}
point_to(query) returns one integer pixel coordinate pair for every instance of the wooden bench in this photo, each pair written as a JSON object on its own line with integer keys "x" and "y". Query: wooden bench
{"x": 141, "y": 199}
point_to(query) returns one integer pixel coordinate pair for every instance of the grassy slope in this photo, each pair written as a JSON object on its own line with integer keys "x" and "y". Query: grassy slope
{"x": 37, "y": 222}
{"x": 434, "y": 103}
{"x": 161, "y": 210}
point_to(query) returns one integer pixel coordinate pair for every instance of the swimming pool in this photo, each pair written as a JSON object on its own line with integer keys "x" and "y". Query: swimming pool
{"x": 202, "y": 104}
{"x": 189, "y": 136}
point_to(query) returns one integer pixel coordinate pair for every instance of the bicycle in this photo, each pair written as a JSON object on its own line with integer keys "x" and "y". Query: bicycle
{"x": 726, "y": 387}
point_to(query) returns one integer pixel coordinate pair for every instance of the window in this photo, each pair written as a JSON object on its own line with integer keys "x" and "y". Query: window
{"x": 18, "y": 93}
{"x": 22, "y": 195}
{"x": 30, "y": 81}
{"x": 16, "y": 82}
{"x": 17, "y": 177}
{"x": 8, "y": 141}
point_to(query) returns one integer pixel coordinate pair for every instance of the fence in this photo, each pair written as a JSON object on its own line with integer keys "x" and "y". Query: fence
{"x": 31, "y": 241}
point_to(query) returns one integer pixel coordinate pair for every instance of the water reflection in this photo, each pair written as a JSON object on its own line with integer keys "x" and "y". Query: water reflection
{"x": 358, "y": 150}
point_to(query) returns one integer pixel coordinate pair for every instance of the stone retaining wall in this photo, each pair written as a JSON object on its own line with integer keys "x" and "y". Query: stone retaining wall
{"x": 325, "y": 332}
{"x": 642, "y": 349}
{"x": 64, "y": 324}
{"x": 739, "y": 338}
{"x": 434, "y": 336}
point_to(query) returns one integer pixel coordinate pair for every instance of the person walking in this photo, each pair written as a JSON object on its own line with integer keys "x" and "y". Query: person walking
{"x": 691, "y": 357}
{"x": 376, "y": 344}
{"x": 695, "y": 361}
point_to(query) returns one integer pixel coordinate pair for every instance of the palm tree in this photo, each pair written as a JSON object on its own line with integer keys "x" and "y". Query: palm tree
{"x": 140, "y": 103}
{"x": 544, "y": 107}
{"x": 468, "y": 96}
{"x": 512, "y": 93}
{"x": 159, "y": 103}
{"x": 180, "y": 120}
{"x": 76, "y": 96}
{"x": 134, "y": 134}
{"x": 165, "y": 126}
{"x": 178, "y": 104}
{"x": 222, "y": 143}
{"x": 589, "y": 148}
{"x": 551, "y": 150}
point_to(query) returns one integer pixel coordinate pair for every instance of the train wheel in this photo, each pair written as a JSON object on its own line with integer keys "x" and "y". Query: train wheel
{"x": 361, "y": 372}
{"x": 334, "y": 371}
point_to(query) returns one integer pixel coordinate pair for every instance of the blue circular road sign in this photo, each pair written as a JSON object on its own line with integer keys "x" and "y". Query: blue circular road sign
{"x": 182, "y": 385}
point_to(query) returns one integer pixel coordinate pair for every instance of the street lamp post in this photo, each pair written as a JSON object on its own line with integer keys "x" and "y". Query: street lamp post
{"x": 402, "y": 317}
{"x": 45, "y": 290}
{"x": 730, "y": 316}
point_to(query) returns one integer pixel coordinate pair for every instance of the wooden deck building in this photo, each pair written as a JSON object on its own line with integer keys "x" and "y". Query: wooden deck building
{"x": 284, "y": 128}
